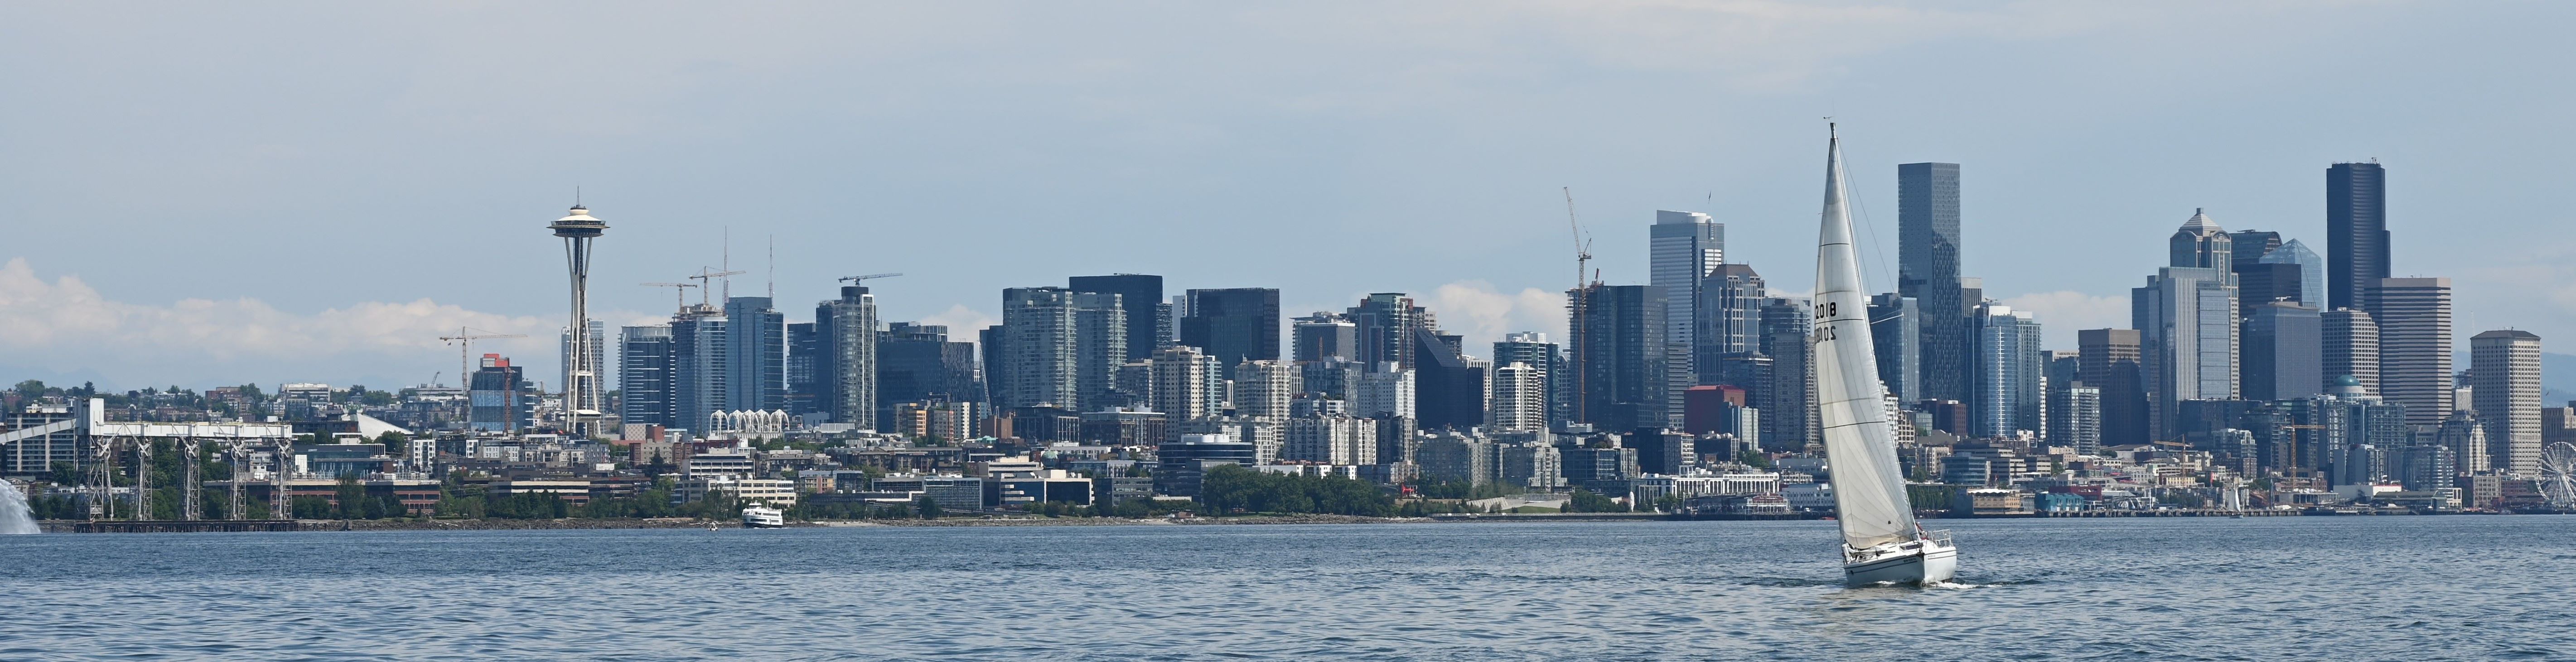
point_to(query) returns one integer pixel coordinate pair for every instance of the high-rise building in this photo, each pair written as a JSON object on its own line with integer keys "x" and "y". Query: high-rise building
{"x": 1532, "y": 349}
{"x": 1061, "y": 347}
{"x": 1384, "y": 323}
{"x": 1684, "y": 248}
{"x": 1449, "y": 390}
{"x": 1619, "y": 367}
{"x": 1338, "y": 440}
{"x": 2284, "y": 353}
{"x": 1730, "y": 318}
{"x": 1148, "y": 319}
{"x": 2312, "y": 271}
{"x": 2075, "y": 419}
{"x": 1263, "y": 388}
{"x": 1520, "y": 398}
{"x": 2010, "y": 364}
{"x": 2113, "y": 360}
{"x": 644, "y": 376}
{"x": 1186, "y": 385}
{"x": 1788, "y": 402}
{"x": 2414, "y": 316}
{"x": 1896, "y": 333}
{"x": 756, "y": 355}
{"x": 497, "y": 399}
{"x": 2356, "y": 234}
{"x": 1384, "y": 393}
{"x": 1233, "y": 325}
{"x": 700, "y": 362}
{"x": 1927, "y": 215}
{"x": 2350, "y": 342}
{"x": 2186, "y": 318}
{"x": 2504, "y": 366}
{"x": 805, "y": 370}
{"x": 917, "y": 363}
{"x": 846, "y": 368}
{"x": 593, "y": 369}
{"x": 1324, "y": 335}
{"x": 2249, "y": 246}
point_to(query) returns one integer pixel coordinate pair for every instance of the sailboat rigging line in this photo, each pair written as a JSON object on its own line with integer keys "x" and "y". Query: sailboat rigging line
{"x": 1876, "y": 247}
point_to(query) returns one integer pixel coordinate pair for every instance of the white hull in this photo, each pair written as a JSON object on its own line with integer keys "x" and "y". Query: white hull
{"x": 1913, "y": 563}
{"x": 763, "y": 518}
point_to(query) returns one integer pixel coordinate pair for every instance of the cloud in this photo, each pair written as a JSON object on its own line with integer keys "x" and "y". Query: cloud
{"x": 66, "y": 326}
{"x": 962, "y": 322}
{"x": 2062, "y": 312}
{"x": 1473, "y": 308}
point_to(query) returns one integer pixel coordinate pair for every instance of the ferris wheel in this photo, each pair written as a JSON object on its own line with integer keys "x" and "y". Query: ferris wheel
{"x": 2558, "y": 475}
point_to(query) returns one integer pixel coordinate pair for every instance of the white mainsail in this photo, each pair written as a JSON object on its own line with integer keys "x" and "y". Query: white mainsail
{"x": 1869, "y": 489}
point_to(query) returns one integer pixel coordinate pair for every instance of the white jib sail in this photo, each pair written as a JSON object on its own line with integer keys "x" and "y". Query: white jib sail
{"x": 1860, "y": 447}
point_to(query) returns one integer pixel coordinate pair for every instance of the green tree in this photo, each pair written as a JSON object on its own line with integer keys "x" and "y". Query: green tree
{"x": 395, "y": 443}
{"x": 926, "y": 506}
{"x": 31, "y": 388}
{"x": 1754, "y": 458}
{"x": 349, "y": 496}
{"x": 1587, "y": 501}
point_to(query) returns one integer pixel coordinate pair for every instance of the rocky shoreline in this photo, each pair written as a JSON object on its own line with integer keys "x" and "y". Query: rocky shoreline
{"x": 70, "y": 526}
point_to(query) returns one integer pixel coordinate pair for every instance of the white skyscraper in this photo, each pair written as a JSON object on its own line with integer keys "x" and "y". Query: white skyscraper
{"x": 1519, "y": 398}
{"x": 2186, "y": 321}
{"x": 1388, "y": 391}
{"x": 1262, "y": 388}
{"x": 2504, "y": 368}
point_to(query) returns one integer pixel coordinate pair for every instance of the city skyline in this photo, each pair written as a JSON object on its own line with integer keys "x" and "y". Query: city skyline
{"x": 320, "y": 304}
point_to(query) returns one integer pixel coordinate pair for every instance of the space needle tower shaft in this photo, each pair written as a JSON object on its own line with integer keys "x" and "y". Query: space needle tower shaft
{"x": 581, "y": 389}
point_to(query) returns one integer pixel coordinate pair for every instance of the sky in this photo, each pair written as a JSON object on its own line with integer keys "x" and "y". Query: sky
{"x": 200, "y": 195}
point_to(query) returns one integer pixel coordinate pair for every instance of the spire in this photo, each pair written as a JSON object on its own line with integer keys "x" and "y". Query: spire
{"x": 2200, "y": 223}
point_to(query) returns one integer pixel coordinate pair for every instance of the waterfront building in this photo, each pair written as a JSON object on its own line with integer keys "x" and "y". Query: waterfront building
{"x": 1452, "y": 455}
{"x": 2113, "y": 360}
{"x": 2283, "y": 353}
{"x": 845, "y": 367}
{"x": 2504, "y": 367}
{"x": 756, "y": 354}
{"x": 918, "y": 363}
{"x": 2186, "y": 318}
{"x": 1928, "y": 268}
{"x": 2414, "y": 316}
{"x": 1532, "y": 349}
{"x": 1324, "y": 336}
{"x": 1620, "y": 365}
{"x": 1233, "y": 325}
{"x": 1147, "y": 320}
{"x": 2349, "y": 342}
{"x": 1060, "y": 347}
{"x": 1179, "y": 466}
{"x": 2009, "y": 366}
{"x": 1339, "y": 440}
{"x": 699, "y": 359}
{"x": 644, "y": 379}
{"x": 1896, "y": 335}
{"x": 1263, "y": 388}
{"x": 1684, "y": 249}
{"x": 2356, "y": 234}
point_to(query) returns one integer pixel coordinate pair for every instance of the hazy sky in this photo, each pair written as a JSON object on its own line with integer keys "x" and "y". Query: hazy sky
{"x": 214, "y": 194}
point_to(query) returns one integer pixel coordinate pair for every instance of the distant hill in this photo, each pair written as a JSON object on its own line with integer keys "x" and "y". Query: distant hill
{"x": 2557, "y": 378}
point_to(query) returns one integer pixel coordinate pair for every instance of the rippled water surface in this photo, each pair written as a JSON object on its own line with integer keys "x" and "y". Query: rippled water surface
{"x": 2214, "y": 589}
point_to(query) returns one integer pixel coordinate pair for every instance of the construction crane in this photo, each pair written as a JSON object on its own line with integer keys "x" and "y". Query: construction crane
{"x": 465, "y": 337}
{"x": 679, "y": 293}
{"x": 1574, "y": 330}
{"x": 706, "y": 275}
{"x": 862, "y": 280}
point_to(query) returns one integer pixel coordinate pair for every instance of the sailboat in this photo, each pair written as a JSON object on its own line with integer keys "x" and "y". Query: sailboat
{"x": 1882, "y": 544}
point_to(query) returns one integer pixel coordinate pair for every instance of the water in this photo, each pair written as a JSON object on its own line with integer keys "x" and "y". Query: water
{"x": 15, "y": 517}
{"x": 2346, "y": 588}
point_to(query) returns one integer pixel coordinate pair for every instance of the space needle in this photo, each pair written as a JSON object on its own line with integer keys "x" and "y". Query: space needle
{"x": 581, "y": 390}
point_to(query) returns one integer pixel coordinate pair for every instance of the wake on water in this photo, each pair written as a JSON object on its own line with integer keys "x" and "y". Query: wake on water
{"x": 15, "y": 517}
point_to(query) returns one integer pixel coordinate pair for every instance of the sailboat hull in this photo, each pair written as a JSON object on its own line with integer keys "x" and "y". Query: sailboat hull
{"x": 1913, "y": 564}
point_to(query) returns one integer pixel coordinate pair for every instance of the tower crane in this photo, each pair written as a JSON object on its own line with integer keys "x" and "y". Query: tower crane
{"x": 679, "y": 292}
{"x": 705, "y": 275}
{"x": 465, "y": 337}
{"x": 862, "y": 280}
{"x": 1574, "y": 330}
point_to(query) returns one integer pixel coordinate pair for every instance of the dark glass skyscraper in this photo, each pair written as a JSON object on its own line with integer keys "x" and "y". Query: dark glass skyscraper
{"x": 2356, "y": 233}
{"x": 1621, "y": 363}
{"x": 756, "y": 355}
{"x": 1927, "y": 216}
{"x": 917, "y": 363}
{"x": 644, "y": 375}
{"x": 1233, "y": 325}
{"x": 1448, "y": 393}
{"x": 1140, "y": 298}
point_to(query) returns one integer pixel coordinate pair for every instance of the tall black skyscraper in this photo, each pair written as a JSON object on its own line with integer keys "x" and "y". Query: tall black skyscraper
{"x": 644, "y": 376}
{"x": 1141, "y": 297}
{"x": 1233, "y": 325}
{"x": 1448, "y": 393}
{"x": 1620, "y": 369}
{"x": 1927, "y": 219}
{"x": 2356, "y": 233}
